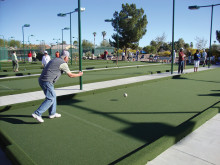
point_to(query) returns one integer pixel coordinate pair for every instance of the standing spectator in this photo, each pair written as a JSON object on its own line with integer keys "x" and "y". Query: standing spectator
{"x": 196, "y": 60}
{"x": 189, "y": 56}
{"x": 34, "y": 56}
{"x": 57, "y": 54}
{"x": 45, "y": 59}
{"x": 181, "y": 61}
{"x": 129, "y": 56}
{"x": 30, "y": 57}
{"x": 137, "y": 54}
{"x": 213, "y": 59}
{"x": 15, "y": 62}
{"x": 174, "y": 56}
{"x": 204, "y": 56}
{"x": 105, "y": 54}
{"x": 47, "y": 79}
{"x": 123, "y": 56}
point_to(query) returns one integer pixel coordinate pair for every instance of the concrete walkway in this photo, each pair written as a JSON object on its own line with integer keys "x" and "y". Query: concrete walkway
{"x": 201, "y": 147}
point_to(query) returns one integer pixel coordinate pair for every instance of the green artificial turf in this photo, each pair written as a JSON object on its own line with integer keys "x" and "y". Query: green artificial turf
{"x": 104, "y": 127}
{"x": 29, "y": 84}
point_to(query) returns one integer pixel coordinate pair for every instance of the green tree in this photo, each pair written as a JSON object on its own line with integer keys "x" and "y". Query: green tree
{"x": 130, "y": 30}
{"x": 14, "y": 44}
{"x": 105, "y": 43}
{"x": 94, "y": 34}
{"x": 2, "y": 43}
{"x": 186, "y": 46}
{"x": 87, "y": 44}
{"x": 180, "y": 43}
{"x": 150, "y": 49}
{"x": 103, "y": 35}
{"x": 218, "y": 35}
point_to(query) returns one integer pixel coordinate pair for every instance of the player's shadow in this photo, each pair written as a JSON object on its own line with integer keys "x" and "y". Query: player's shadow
{"x": 14, "y": 119}
{"x": 179, "y": 77}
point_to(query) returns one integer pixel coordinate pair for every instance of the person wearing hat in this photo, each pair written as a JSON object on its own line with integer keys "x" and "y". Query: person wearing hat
{"x": 49, "y": 76}
{"x": 196, "y": 60}
{"x": 181, "y": 61}
{"x": 45, "y": 59}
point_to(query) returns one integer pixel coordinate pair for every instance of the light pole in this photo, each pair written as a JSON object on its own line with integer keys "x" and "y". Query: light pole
{"x": 9, "y": 39}
{"x": 57, "y": 42}
{"x": 70, "y": 13}
{"x": 25, "y": 25}
{"x": 173, "y": 37}
{"x": 210, "y": 42}
{"x": 80, "y": 45}
{"x": 66, "y": 28}
{"x": 77, "y": 45}
{"x": 3, "y": 49}
{"x": 29, "y": 40}
{"x": 41, "y": 43}
{"x": 117, "y": 28}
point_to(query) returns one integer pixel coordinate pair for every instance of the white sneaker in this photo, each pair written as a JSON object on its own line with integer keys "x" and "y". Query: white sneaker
{"x": 39, "y": 118}
{"x": 55, "y": 115}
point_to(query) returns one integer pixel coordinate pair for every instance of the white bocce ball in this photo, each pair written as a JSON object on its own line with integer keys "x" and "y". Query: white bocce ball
{"x": 125, "y": 95}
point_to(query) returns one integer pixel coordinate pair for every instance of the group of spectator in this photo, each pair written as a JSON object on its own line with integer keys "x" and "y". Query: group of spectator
{"x": 196, "y": 56}
{"x": 32, "y": 57}
{"x": 130, "y": 56}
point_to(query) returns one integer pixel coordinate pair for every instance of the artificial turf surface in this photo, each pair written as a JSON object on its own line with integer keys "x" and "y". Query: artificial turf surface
{"x": 103, "y": 127}
{"x": 29, "y": 84}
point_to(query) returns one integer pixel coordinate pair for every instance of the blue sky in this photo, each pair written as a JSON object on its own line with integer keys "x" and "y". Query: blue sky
{"x": 45, "y": 25}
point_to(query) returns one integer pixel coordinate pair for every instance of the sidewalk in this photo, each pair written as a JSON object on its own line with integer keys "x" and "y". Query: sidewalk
{"x": 201, "y": 147}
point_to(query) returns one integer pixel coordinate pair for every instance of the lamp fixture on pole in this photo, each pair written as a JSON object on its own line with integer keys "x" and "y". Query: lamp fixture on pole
{"x": 70, "y": 13}
{"x": 25, "y": 25}
{"x": 195, "y": 7}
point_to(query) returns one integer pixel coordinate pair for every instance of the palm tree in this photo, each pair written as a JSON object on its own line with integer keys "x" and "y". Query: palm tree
{"x": 103, "y": 34}
{"x": 94, "y": 33}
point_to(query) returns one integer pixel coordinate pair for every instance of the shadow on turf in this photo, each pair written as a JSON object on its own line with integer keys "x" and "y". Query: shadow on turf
{"x": 211, "y": 94}
{"x": 153, "y": 132}
{"x": 147, "y": 132}
{"x": 179, "y": 77}
{"x": 13, "y": 119}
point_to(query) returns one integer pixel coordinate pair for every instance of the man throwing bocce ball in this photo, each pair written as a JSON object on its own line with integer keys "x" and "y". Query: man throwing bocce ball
{"x": 48, "y": 77}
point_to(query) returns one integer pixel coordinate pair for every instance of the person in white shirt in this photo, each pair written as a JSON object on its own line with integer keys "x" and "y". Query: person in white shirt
{"x": 204, "y": 56}
{"x": 45, "y": 59}
{"x": 15, "y": 62}
{"x": 34, "y": 56}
